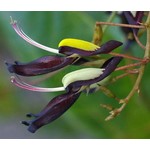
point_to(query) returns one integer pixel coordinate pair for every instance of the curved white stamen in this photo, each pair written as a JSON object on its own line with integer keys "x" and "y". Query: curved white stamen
{"x": 29, "y": 87}
{"x": 29, "y": 40}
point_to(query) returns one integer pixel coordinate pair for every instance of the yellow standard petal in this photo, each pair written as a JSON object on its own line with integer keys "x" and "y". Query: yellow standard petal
{"x": 79, "y": 44}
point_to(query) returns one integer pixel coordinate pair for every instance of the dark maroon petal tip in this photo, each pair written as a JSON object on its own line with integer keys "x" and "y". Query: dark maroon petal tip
{"x": 40, "y": 66}
{"x": 110, "y": 65}
{"x": 32, "y": 128}
{"x": 26, "y": 123}
{"x": 54, "y": 109}
{"x": 10, "y": 67}
{"x": 139, "y": 16}
{"x": 108, "y": 47}
{"x": 31, "y": 115}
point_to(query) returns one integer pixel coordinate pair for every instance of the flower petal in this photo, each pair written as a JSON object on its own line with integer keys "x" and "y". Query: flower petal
{"x": 108, "y": 47}
{"x": 108, "y": 67}
{"x": 84, "y": 48}
{"x": 54, "y": 109}
{"x": 133, "y": 20}
{"x": 40, "y": 66}
{"x": 29, "y": 40}
{"x": 85, "y": 74}
{"x": 139, "y": 15}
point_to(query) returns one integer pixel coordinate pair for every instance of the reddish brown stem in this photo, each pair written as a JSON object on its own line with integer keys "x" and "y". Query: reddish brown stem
{"x": 121, "y": 25}
{"x": 126, "y": 56}
{"x": 139, "y": 43}
{"x": 129, "y": 66}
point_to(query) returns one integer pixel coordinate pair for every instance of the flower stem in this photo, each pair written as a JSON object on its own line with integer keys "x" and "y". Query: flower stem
{"x": 147, "y": 52}
{"x": 135, "y": 88}
{"x": 139, "y": 43}
{"x": 126, "y": 56}
{"x": 128, "y": 66}
{"x": 122, "y": 25}
{"x": 142, "y": 67}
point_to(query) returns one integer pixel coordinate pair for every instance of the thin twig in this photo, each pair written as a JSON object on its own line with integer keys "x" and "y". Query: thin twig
{"x": 141, "y": 69}
{"x": 126, "y": 56}
{"x": 139, "y": 78}
{"x": 119, "y": 77}
{"x": 108, "y": 93}
{"x": 139, "y": 43}
{"x": 122, "y": 25}
{"x": 108, "y": 107}
{"x": 129, "y": 66}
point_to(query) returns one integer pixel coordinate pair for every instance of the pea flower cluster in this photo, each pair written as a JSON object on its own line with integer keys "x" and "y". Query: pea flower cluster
{"x": 70, "y": 52}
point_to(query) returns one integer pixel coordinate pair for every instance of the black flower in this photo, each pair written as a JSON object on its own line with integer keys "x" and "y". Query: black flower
{"x": 73, "y": 83}
{"x": 70, "y": 51}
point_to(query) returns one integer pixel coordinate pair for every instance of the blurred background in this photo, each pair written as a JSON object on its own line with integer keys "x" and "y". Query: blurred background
{"x": 85, "y": 119}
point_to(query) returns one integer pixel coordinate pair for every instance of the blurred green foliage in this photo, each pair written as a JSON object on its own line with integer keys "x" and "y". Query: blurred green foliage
{"x": 85, "y": 119}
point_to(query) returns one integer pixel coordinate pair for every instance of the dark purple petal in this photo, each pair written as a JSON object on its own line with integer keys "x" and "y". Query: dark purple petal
{"x": 104, "y": 49}
{"x": 40, "y": 66}
{"x": 125, "y": 21}
{"x": 133, "y": 20}
{"x": 128, "y": 31}
{"x": 108, "y": 47}
{"x": 110, "y": 65}
{"x": 54, "y": 109}
{"x": 139, "y": 16}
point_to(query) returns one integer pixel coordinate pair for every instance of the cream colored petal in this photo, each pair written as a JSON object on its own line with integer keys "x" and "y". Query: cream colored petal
{"x": 82, "y": 74}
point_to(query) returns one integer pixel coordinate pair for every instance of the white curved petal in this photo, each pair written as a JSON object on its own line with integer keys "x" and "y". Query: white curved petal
{"x": 82, "y": 74}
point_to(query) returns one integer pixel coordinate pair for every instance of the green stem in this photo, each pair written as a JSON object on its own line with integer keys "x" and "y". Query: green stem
{"x": 147, "y": 52}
